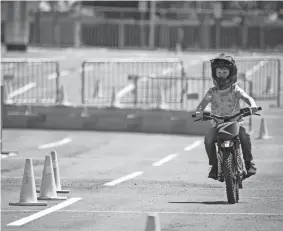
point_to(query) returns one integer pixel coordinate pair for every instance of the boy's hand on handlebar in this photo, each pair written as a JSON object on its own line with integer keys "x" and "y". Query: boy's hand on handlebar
{"x": 254, "y": 109}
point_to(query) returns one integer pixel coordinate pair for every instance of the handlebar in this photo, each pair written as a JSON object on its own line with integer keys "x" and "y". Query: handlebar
{"x": 243, "y": 113}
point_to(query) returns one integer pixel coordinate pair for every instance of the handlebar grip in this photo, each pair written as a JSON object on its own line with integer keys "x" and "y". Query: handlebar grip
{"x": 259, "y": 108}
{"x": 194, "y": 115}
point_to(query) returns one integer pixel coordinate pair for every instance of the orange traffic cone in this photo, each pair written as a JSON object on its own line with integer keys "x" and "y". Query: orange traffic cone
{"x": 263, "y": 133}
{"x": 153, "y": 223}
{"x": 57, "y": 173}
{"x": 28, "y": 192}
{"x": 160, "y": 99}
{"x": 48, "y": 186}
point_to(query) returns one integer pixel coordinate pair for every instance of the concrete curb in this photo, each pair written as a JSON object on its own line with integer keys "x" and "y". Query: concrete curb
{"x": 102, "y": 119}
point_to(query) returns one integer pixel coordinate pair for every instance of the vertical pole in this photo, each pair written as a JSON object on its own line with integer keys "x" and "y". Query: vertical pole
{"x": 279, "y": 83}
{"x": 1, "y": 113}
{"x": 142, "y": 25}
{"x": 251, "y": 94}
{"x": 152, "y": 24}
{"x": 83, "y": 83}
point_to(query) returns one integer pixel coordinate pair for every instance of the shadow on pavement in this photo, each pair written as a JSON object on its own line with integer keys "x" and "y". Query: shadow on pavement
{"x": 200, "y": 202}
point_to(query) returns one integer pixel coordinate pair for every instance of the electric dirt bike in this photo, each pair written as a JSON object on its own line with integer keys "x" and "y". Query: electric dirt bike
{"x": 230, "y": 166}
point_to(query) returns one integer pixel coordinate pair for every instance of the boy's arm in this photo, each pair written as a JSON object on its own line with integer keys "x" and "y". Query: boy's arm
{"x": 244, "y": 96}
{"x": 205, "y": 101}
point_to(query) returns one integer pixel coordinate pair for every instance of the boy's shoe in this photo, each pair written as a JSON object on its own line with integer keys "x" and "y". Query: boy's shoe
{"x": 250, "y": 167}
{"x": 213, "y": 172}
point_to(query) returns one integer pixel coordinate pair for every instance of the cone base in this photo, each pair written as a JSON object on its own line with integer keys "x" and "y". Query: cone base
{"x": 152, "y": 223}
{"x": 63, "y": 191}
{"x": 8, "y": 152}
{"x": 52, "y": 198}
{"x": 28, "y": 203}
{"x": 264, "y": 138}
{"x": 58, "y": 191}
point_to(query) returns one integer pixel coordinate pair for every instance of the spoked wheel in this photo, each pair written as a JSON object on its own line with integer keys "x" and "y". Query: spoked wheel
{"x": 232, "y": 184}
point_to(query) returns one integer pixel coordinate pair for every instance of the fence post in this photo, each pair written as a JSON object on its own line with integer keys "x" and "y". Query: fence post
{"x": 135, "y": 90}
{"x": 77, "y": 32}
{"x": 1, "y": 114}
{"x": 251, "y": 94}
{"x": 83, "y": 83}
{"x": 121, "y": 35}
{"x": 279, "y": 84}
{"x": 152, "y": 24}
{"x": 57, "y": 83}
{"x": 218, "y": 32}
{"x": 183, "y": 84}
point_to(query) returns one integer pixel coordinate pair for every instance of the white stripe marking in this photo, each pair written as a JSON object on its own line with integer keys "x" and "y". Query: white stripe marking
{"x": 22, "y": 90}
{"x": 160, "y": 212}
{"x": 254, "y": 69}
{"x": 124, "y": 178}
{"x": 44, "y": 212}
{"x": 193, "y": 145}
{"x": 55, "y": 144}
{"x": 8, "y": 155}
{"x": 54, "y": 75}
{"x": 125, "y": 90}
{"x": 164, "y": 160}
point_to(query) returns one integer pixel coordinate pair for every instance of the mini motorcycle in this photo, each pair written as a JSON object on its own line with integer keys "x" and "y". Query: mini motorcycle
{"x": 230, "y": 165}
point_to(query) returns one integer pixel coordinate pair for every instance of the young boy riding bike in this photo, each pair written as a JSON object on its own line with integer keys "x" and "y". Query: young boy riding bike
{"x": 225, "y": 100}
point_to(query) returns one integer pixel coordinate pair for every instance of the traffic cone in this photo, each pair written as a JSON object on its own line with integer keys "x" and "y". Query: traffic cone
{"x": 48, "y": 187}
{"x": 160, "y": 99}
{"x": 263, "y": 133}
{"x": 153, "y": 223}
{"x": 28, "y": 192}
{"x": 57, "y": 173}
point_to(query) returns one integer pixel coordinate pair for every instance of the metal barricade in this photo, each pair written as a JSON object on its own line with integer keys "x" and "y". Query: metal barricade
{"x": 262, "y": 73}
{"x": 186, "y": 93}
{"x": 30, "y": 81}
{"x": 129, "y": 80}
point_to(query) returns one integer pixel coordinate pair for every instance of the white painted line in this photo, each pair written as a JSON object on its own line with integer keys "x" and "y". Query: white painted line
{"x": 127, "y": 89}
{"x": 164, "y": 160}
{"x": 54, "y": 75}
{"x": 44, "y": 212}
{"x": 22, "y": 90}
{"x": 160, "y": 212}
{"x": 8, "y": 155}
{"x": 38, "y": 60}
{"x": 254, "y": 69}
{"x": 55, "y": 144}
{"x": 193, "y": 145}
{"x": 124, "y": 178}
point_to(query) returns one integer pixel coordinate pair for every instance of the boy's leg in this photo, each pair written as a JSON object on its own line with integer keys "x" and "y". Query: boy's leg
{"x": 247, "y": 151}
{"x": 209, "y": 142}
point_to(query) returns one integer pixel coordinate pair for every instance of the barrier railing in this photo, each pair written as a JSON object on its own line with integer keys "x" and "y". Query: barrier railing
{"x": 30, "y": 81}
{"x": 127, "y": 80}
{"x": 263, "y": 73}
{"x": 167, "y": 34}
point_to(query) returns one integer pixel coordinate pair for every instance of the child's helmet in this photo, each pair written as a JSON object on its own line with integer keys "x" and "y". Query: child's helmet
{"x": 227, "y": 61}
